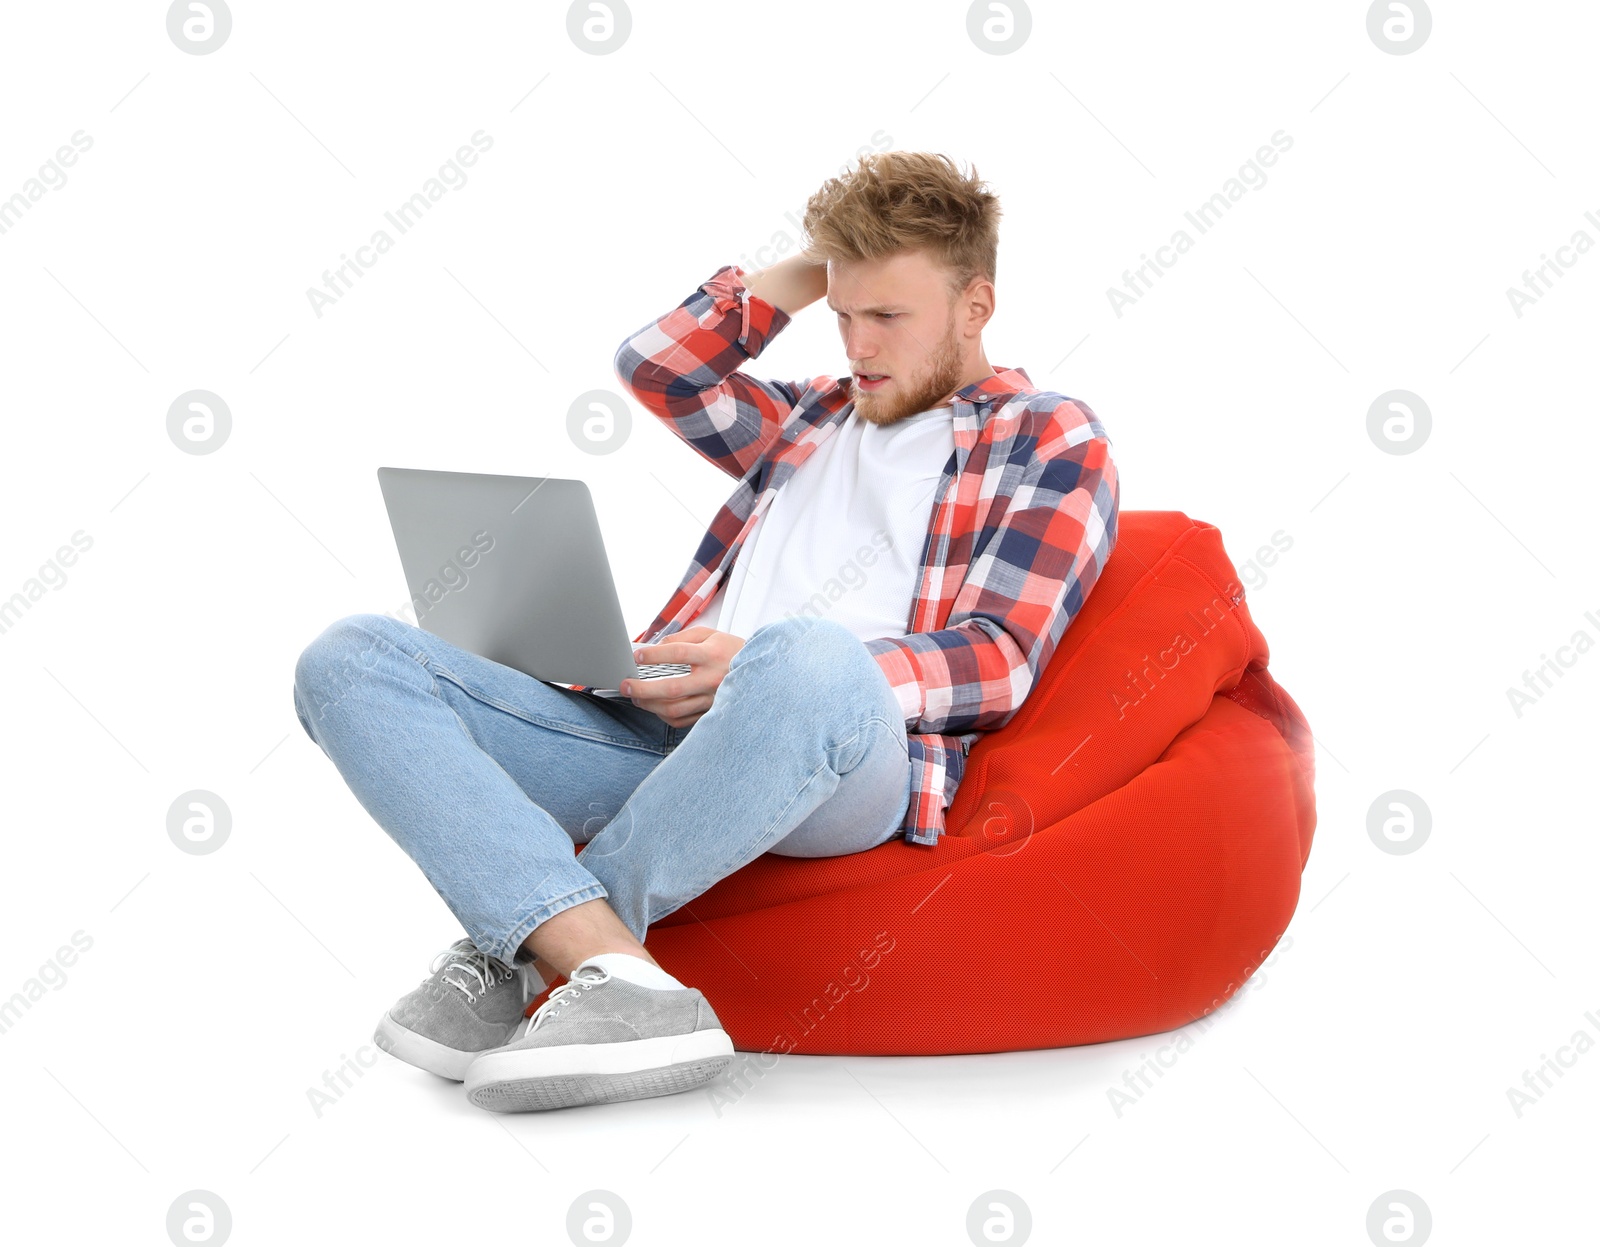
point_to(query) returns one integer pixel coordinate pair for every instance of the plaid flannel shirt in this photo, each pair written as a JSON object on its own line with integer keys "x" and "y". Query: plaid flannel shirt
{"x": 1024, "y": 518}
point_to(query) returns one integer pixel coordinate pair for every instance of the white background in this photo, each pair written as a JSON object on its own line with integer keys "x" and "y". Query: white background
{"x": 1374, "y": 1054}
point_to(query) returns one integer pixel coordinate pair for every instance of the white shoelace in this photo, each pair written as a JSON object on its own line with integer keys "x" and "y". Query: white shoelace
{"x": 582, "y": 979}
{"x": 464, "y": 956}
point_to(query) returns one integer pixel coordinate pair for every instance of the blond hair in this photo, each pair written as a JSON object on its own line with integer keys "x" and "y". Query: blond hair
{"x": 898, "y": 201}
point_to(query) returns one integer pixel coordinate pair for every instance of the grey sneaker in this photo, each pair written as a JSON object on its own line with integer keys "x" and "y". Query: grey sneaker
{"x": 599, "y": 1039}
{"x": 470, "y": 1002}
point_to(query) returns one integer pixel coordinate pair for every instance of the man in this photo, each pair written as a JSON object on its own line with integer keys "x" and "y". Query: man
{"x": 902, "y": 555}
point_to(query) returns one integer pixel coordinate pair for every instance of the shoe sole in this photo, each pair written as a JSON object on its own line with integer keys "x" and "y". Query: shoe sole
{"x": 534, "y": 1079}
{"x": 429, "y": 1054}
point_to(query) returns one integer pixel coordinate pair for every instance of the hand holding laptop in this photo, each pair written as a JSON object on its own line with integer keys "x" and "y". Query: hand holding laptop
{"x": 681, "y": 699}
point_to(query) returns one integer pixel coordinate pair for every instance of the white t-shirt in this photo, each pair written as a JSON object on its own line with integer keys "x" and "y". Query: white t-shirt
{"x": 842, "y": 539}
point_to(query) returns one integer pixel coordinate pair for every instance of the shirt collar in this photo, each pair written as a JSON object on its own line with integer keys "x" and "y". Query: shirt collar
{"x": 1002, "y": 383}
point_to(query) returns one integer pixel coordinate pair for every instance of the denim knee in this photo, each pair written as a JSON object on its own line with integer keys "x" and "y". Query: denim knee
{"x": 335, "y": 662}
{"x": 820, "y": 652}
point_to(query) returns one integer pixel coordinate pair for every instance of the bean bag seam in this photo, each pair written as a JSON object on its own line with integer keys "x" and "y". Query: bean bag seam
{"x": 1237, "y": 673}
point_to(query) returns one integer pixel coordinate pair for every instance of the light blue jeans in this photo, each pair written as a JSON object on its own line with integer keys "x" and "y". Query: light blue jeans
{"x": 487, "y": 777}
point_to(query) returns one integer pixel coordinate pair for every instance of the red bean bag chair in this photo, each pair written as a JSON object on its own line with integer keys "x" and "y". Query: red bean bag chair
{"x": 1130, "y": 844}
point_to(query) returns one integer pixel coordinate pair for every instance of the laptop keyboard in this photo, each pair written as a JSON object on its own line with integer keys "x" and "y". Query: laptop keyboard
{"x": 656, "y": 670}
{"x": 648, "y": 671}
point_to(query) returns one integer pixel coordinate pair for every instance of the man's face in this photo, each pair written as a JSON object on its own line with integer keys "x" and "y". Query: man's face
{"x": 896, "y": 318}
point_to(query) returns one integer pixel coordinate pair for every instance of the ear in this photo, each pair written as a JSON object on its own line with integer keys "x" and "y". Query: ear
{"x": 975, "y": 306}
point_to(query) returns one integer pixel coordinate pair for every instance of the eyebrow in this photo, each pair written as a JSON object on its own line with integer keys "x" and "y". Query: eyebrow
{"x": 869, "y": 310}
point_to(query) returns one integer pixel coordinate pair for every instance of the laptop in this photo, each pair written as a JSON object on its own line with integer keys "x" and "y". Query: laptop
{"x": 513, "y": 569}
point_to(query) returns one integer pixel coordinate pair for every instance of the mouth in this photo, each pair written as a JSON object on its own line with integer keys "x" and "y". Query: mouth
{"x": 871, "y": 380}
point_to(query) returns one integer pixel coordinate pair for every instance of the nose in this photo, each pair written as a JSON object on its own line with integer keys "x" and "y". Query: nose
{"x": 858, "y": 347}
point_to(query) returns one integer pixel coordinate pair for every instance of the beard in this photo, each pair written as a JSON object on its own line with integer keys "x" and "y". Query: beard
{"x": 925, "y": 390}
